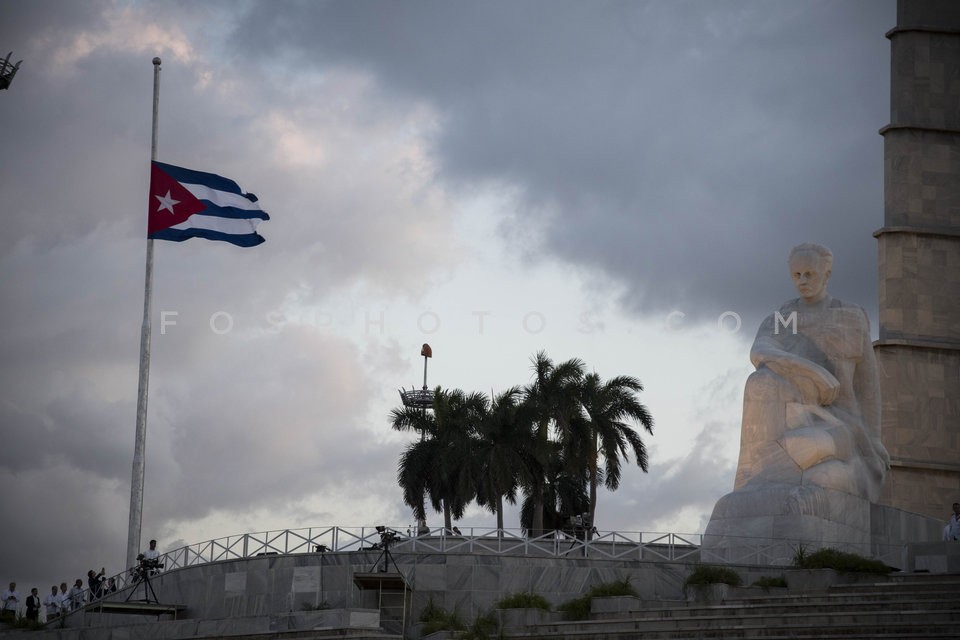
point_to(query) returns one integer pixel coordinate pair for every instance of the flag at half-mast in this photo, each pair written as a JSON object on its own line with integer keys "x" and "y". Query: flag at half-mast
{"x": 193, "y": 204}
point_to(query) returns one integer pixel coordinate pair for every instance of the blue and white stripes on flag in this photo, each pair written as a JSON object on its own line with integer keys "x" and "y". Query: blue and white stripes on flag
{"x": 193, "y": 204}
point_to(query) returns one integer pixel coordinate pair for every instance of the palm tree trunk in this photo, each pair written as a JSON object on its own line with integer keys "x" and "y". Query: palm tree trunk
{"x": 593, "y": 507}
{"x": 447, "y": 520}
{"x": 536, "y": 527}
{"x": 593, "y": 489}
{"x": 499, "y": 516}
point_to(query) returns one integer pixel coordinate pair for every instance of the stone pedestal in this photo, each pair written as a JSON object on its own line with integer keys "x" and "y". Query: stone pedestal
{"x": 786, "y": 516}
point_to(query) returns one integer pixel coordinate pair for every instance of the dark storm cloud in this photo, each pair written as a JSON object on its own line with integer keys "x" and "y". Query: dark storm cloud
{"x": 23, "y": 21}
{"x": 77, "y": 427}
{"x": 680, "y": 147}
{"x": 58, "y": 538}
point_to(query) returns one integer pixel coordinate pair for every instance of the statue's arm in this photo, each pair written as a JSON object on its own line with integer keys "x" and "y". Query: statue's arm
{"x": 816, "y": 384}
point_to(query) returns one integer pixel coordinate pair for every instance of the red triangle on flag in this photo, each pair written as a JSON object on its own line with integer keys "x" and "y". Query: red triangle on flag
{"x": 170, "y": 203}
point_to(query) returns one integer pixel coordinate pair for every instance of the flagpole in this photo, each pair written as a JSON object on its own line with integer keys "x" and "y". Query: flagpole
{"x": 140, "y": 443}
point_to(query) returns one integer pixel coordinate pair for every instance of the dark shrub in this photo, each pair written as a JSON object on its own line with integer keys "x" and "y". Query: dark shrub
{"x": 579, "y": 608}
{"x": 768, "y": 582}
{"x": 523, "y": 600}
{"x": 828, "y": 558}
{"x": 704, "y": 574}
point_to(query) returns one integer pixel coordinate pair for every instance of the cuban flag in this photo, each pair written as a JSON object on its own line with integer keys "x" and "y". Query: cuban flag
{"x": 192, "y": 204}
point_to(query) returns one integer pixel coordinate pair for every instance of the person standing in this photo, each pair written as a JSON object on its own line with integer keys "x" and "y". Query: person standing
{"x": 152, "y": 553}
{"x": 95, "y": 582}
{"x": 52, "y": 603}
{"x": 76, "y": 595}
{"x": 33, "y": 605}
{"x": 952, "y": 530}
{"x": 11, "y": 602}
{"x": 150, "y": 560}
{"x": 63, "y": 599}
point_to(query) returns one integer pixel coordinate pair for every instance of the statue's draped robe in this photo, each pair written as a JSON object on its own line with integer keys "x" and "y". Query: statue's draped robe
{"x": 787, "y": 435}
{"x": 805, "y": 454}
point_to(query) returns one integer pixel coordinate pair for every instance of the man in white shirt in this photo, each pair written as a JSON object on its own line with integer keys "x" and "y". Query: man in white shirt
{"x": 64, "y": 598}
{"x": 11, "y": 601}
{"x": 52, "y": 603}
{"x": 149, "y": 560}
{"x": 152, "y": 553}
{"x": 76, "y": 596}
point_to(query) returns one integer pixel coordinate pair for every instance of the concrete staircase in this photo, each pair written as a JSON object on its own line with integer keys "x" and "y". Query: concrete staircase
{"x": 905, "y": 606}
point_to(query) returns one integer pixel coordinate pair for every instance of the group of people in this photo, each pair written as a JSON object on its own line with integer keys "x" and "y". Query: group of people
{"x": 64, "y": 599}
{"x": 60, "y": 600}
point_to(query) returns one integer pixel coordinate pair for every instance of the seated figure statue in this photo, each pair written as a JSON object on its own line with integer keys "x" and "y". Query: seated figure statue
{"x": 811, "y": 459}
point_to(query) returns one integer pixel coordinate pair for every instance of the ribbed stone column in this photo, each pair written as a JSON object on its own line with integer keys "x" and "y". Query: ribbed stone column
{"x": 919, "y": 261}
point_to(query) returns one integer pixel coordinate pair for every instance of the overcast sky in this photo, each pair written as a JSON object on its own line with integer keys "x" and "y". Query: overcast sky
{"x": 615, "y": 181}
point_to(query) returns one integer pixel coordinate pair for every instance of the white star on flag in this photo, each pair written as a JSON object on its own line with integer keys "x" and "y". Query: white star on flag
{"x": 166, "y": 202}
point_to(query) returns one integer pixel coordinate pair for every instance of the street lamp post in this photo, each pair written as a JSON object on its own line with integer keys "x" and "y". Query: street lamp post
{"x": 420, "y": 399}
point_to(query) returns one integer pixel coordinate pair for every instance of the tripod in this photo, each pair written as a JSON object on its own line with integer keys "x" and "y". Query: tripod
{"x": 386, "y": 537}
{"x": 142, "y": 576}
{"x": 582, "y": 532}
{"x": 387, "y": 559}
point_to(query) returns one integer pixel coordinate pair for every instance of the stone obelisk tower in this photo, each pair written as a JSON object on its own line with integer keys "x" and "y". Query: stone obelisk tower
{"x": 919, "y": 347}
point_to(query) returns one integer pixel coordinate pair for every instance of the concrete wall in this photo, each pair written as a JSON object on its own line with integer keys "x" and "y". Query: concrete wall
{"x": 268, "y": 593}
{"x": 468, "y": 582}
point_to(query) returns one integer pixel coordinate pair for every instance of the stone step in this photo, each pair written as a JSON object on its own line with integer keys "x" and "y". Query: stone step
{"x": 878, "y": 599}
{"x": 900, "y": 587}
{"x": 305, "y": 634}
{"x": 814, "y": 618}
{"x": 822, "y": 602}
{"x": 945, "y": 633}
{"x": 155, "y": 632}
{"x": 612, "y": 609}
{"x": 923, "y": 607}
{"x": 887, "y": 590}
{"x": 812, "y": 628}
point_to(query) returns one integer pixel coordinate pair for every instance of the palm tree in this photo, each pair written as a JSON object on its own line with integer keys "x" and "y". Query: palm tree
{"x": 607, "y": 405}
{"x": 440, "y": 464}
{"x": 565, "y": 490}
{"x": 504, "y": 452}
{"x": 552, "y": 399}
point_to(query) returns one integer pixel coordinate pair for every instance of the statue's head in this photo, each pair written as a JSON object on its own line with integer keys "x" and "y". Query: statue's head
{"x": 810, "y": 269}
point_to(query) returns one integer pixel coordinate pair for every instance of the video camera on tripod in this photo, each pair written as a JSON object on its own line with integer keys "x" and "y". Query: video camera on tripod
{"x": 387, "y": 536}
{"x": 141, "y": 573}
{"x": 146, "y": 567}
{"x": 580, "y": 525}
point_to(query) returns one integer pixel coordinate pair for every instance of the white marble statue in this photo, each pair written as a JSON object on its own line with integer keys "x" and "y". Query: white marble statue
{"x": 811, "y": 459}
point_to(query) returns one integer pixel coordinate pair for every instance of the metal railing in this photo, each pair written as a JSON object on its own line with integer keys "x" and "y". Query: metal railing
{"x": 613, "y": 545}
